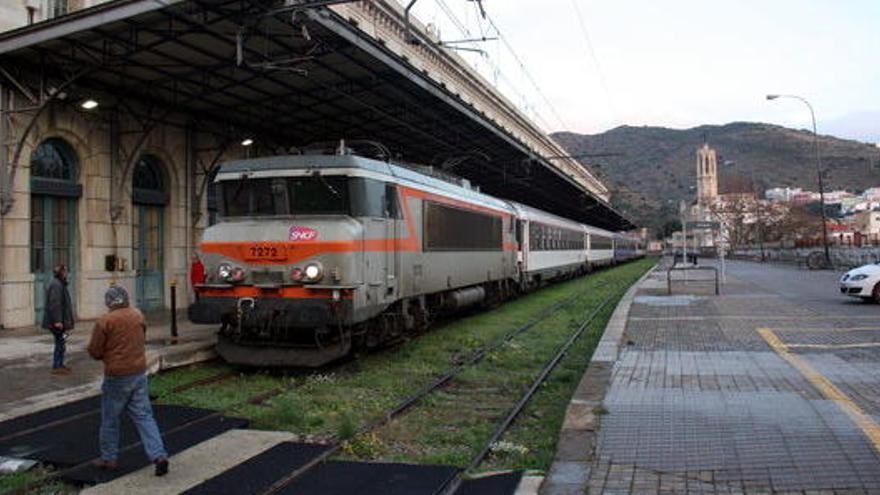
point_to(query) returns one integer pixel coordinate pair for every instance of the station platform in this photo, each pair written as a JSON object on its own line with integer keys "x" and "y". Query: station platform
{"x": 772, "y": 386}
{"x": 26, "y": 359}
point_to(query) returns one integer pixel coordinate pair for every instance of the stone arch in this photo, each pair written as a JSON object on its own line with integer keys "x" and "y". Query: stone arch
{"x": 55, "y": 159}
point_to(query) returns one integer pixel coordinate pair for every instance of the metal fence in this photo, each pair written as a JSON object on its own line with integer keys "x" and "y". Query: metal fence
{"x": 701, "y": 276}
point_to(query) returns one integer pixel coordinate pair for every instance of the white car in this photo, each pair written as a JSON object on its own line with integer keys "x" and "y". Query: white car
{"x": 863, "y": 282}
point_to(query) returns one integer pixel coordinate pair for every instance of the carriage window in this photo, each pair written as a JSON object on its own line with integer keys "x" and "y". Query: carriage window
{"x": 600, "y": 242}
{"x": 454, "y": 229}
{"x": 546, "y": 238}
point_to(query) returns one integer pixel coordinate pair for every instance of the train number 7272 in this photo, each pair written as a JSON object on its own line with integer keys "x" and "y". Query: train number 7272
{"x": 265, "y": 252}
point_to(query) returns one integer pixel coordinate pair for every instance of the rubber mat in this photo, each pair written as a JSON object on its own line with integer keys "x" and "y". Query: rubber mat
{"x": 259, "y": 472}
{"x": 45, "y": 416}
{"x": 76, "y": 441}
{"x": 134, "y": 459}
{"x": 499, "y": 484}
{"x": 362, "y": 478}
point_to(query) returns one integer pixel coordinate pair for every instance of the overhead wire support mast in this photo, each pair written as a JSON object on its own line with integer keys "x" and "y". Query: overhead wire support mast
{"x": 468, "y": 40}
{"x": 450, "y": 45}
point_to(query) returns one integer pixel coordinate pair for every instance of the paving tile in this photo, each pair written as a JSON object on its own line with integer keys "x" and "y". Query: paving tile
{"x": 699, "y": 403}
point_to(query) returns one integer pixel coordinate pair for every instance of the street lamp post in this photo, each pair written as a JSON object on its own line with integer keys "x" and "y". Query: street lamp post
{"x": 818, "y": 172}
{"x": 758, "y": 220}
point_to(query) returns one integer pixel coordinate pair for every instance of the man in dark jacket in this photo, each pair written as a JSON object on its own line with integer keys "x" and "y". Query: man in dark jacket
{"x": 58, "y": 316}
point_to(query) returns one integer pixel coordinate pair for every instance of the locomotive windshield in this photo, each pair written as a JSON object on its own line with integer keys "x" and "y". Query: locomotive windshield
{"x": 318, "y": 195}
{"x": 310, "y": 195}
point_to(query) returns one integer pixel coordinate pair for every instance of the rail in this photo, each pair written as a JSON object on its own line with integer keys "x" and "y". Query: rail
{"x": 685, "y": 269}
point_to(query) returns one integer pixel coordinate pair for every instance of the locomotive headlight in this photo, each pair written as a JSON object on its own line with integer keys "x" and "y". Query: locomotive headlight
{"x": 237, "y": 274}
{"x": 313, "y": 272}
{"x": 230, "y": 273}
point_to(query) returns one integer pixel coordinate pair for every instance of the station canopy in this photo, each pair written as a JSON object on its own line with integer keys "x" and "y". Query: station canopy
{"x": 284, "y": 76}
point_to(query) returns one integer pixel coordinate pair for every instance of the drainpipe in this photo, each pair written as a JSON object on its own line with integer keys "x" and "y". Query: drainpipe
{"x": 412, "y": 40}
{"x": 189, "y": 204}
{"x": 4, "y": 178}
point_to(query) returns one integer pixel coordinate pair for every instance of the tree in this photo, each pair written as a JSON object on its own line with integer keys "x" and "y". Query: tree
{"x": 799, "y": 223}
{"x": 668, "y": 228}
{"x": 738, "y": 216}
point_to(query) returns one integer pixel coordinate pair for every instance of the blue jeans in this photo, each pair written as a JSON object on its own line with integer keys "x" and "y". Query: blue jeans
{"x": 60, "y": 347}
{"x": 128, "y": 393}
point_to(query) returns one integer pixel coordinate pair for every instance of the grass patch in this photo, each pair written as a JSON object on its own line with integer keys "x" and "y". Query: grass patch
{"x": 10, "y": 483}
{"x": 163, "y": 384}
{"x": 224, "y": 395}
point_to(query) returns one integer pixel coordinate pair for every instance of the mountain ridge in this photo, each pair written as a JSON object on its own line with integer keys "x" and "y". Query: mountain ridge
{"x": 650, "y": 169}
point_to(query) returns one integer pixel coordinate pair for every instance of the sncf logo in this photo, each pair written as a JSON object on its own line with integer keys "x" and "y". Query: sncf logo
{"x": 297, "y": 233}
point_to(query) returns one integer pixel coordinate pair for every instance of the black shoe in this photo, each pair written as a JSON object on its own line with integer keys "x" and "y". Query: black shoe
{"x": 161, "y": 466}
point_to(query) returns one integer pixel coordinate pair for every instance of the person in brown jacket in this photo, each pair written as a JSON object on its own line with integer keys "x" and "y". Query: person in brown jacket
{"x": 118, "y": 340}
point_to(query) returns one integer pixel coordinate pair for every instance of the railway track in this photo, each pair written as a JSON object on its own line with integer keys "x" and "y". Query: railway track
{"x": 379, "y": 421}
{"x": 407, "y": 403}
{"x": 515, "y": 410}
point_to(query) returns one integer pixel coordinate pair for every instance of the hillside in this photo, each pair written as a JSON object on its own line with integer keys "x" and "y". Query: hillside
{"x": 653, "y": 168}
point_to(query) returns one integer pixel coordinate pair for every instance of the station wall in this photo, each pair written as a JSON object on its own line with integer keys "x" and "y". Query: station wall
{"x": 95, "y": 234}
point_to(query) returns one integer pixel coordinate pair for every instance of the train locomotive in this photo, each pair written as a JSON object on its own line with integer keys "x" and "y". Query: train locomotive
{"x": 318, "y": 255}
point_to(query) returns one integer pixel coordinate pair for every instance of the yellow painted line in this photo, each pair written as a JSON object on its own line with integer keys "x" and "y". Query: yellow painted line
{"x": 825, "y": 387}
{"x": 827, "y": 329}
{"x": 750, "y": 317}
{"x": 835, "y": 346}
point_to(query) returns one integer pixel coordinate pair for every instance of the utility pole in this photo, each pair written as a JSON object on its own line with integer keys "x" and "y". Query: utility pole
{"x": 818, "y": 173}
{"x": 684, "y": 237}
{"x": 758, "y": 222}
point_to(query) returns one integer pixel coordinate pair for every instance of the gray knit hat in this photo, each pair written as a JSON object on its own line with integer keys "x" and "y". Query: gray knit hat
{"x": 116, "y": 297}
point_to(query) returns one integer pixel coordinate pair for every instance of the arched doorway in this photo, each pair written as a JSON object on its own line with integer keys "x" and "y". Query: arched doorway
{"x": 54, "y": 194}
{"x": 149, "y": 198}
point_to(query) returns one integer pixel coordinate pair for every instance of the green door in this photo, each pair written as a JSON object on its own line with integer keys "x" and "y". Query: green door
{"x": 54, "y": 195}
{"x": 147, "y": 243}
{"x": 53, "y": 241}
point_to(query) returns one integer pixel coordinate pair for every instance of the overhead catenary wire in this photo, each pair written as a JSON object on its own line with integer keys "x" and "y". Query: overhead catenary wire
{"x": 591, "y": 52}
{"x": 494, "y": 67}
{"x": 527, "y": 73}
{"x": 454, "y": 18}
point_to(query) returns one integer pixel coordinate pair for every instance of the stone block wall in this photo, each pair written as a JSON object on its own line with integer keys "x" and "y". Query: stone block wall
{"x": 97, "y": 236}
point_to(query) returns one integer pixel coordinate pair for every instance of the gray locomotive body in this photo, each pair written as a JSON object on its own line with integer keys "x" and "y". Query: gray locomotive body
{"x": 316, "y": 255}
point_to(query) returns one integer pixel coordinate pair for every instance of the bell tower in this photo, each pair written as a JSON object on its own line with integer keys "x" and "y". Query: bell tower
{"x": 707, "y": 175}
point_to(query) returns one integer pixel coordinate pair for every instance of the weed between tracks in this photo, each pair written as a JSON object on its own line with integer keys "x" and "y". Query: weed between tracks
{"x": 18, "y": 481}
{"x": 449, "y": 426}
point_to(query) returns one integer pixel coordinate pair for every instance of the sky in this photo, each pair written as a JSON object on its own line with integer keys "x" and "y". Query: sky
{"x": 677, "y": 63}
